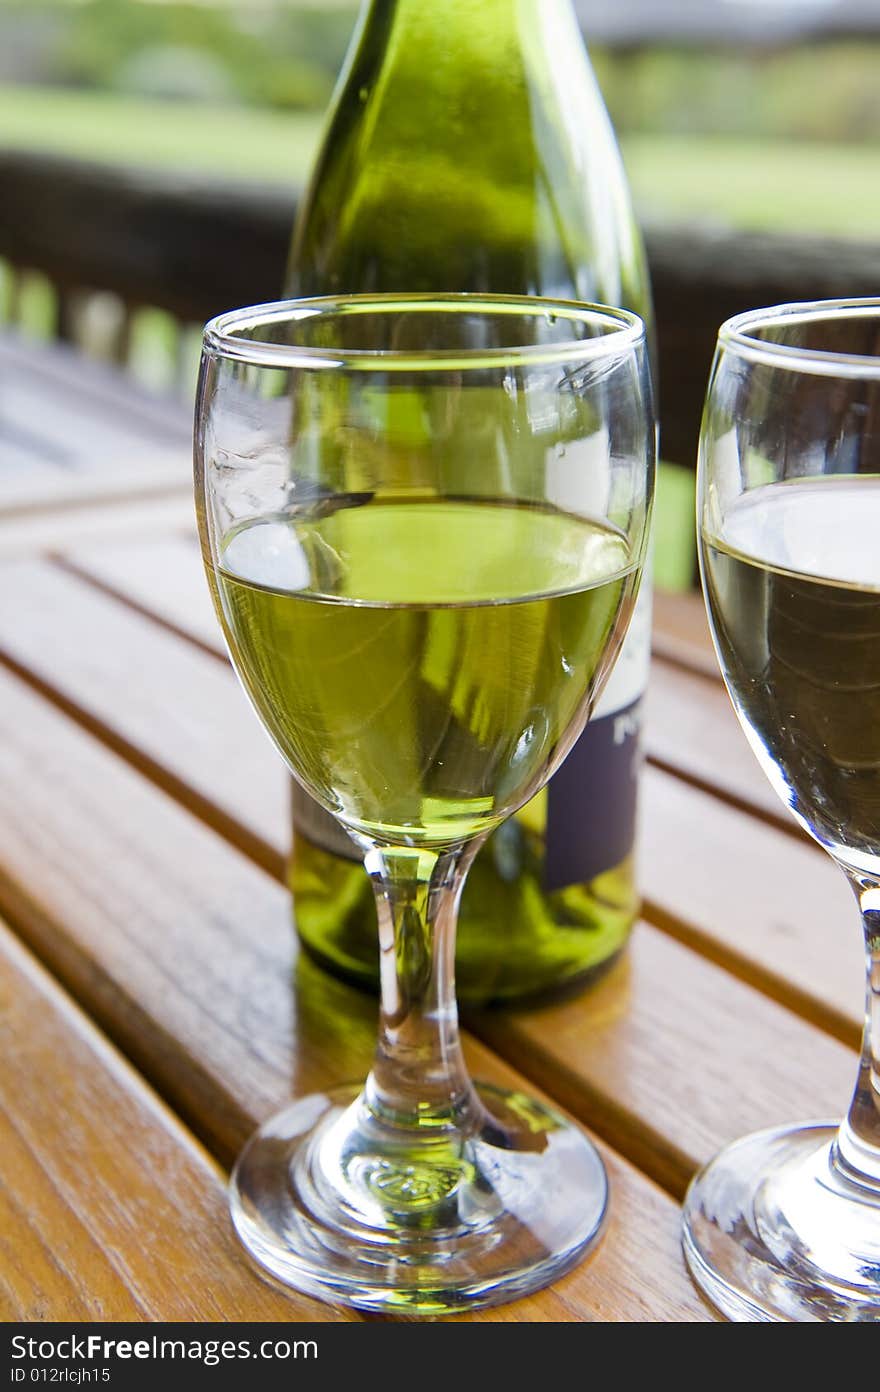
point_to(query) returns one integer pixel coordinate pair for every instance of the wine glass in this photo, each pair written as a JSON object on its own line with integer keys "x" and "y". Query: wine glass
{"x": 423, "y": 521}
{"x": 785, "y": 1224}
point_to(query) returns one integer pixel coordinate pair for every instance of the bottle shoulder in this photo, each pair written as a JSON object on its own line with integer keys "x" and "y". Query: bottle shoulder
{"x": 489, "y": 166}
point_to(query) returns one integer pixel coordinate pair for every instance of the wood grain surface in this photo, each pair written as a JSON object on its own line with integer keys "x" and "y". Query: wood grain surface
{"x": 183, "y": 950}
{"x": 131, "y": 869}
{"x": 68, "y": 437}
{"x": 109, "y": 1209}
{"x": 670, "y": 1057}
{"x": 163, "y": 577}
{"x": 143, "y": 831}
{"x": 681, "y": 632}
{"x": 163, "y": 704}
{"x": 690, "y": 729}
{"x": 43, "y": 530}
{"x": 771, "y": 908}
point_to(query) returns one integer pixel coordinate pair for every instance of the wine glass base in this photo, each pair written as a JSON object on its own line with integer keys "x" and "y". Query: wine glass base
{"x": 449, "y": 1224}
{"x": 773, "y": 1231}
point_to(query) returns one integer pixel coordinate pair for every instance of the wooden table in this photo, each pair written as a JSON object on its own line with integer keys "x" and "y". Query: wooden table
{"x": 153, "y": 1005}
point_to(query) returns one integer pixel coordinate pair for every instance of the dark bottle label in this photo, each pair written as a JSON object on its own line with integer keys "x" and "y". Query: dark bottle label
{"x": 591, "y": 798}
{"x": 591, "y": 801}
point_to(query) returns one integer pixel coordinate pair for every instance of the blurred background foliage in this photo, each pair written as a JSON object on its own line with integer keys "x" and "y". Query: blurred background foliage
{"x": 286, "y": 53}
{"x": 275, "y": 55}
{"x": 755, "y": 130}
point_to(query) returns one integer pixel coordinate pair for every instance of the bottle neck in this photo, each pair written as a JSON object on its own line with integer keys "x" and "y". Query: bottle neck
{"x": 476, "y": 51}
{"x": 452, "y": 21}
{"x": 469, "y": 149}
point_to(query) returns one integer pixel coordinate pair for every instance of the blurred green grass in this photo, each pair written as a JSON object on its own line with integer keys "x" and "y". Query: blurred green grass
{"x": 757, "y": 185}
{"x": 742, "y": 183}
{"x": 675, "y": 543}
{"x": 239, "y": 141}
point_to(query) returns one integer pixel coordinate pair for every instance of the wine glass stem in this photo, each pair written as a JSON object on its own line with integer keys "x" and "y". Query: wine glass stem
{"x": 419, "y": 1079}
{"x": 858, "y": 1142}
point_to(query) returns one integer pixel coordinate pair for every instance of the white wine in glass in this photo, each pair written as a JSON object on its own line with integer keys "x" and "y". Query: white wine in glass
{"x": 786, "y": 1224}
{"x": 417, "y": 662}
{"x": 423, "y": 521}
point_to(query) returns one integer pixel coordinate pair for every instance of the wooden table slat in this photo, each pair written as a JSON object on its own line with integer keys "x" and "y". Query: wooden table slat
{"x": 761, "y": 903}
{"x": 119, "y": 519}
{"x": 669, "y": 1057}
{"x": 110, "y": 1210}
{"x": 162, "y": 577}
{"x": 681, "y": 632}
{"x": 691, "y": 730}
{"x": 66, "y": 379}
{"x": 65, "y": 437}
{"x": 163, "y": 704}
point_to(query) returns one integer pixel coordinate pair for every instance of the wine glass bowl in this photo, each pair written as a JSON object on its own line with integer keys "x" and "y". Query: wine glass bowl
{"x": 423, "y": 521}
{"x": 786, "y": 1224}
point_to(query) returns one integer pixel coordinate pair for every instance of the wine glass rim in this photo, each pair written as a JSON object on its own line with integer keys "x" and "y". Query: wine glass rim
{"x": 222, "y": 334}
{"x": 736, "y": 334}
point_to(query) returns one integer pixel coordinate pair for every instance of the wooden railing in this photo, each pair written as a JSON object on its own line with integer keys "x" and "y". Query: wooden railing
{"x": 126, "y": 240}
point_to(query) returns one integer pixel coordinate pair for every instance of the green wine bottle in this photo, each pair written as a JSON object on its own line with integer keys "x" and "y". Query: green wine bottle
{"x": 468, "y": 149}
